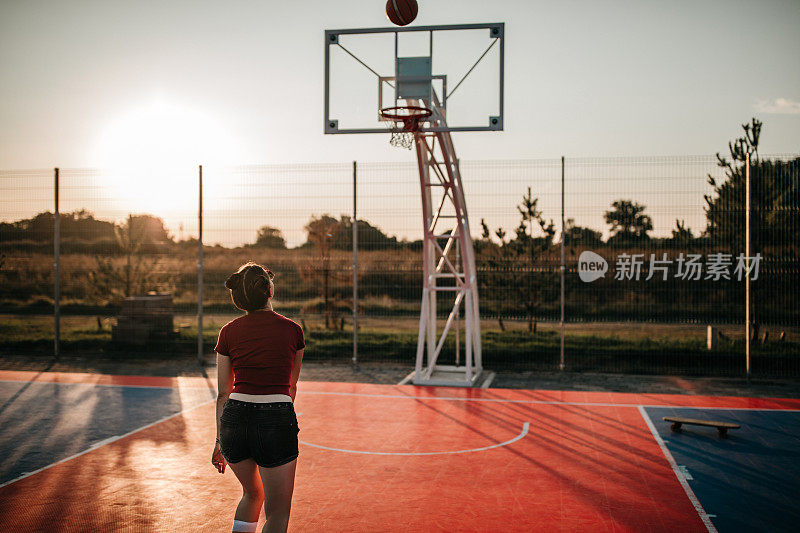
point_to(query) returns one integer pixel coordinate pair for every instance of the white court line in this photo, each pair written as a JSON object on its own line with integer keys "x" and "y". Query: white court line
{"x": 678, "y": 473}
{"x": 515, "y": 439}
{"x": 544, "y": 402}
{"x": 103, "y": 442}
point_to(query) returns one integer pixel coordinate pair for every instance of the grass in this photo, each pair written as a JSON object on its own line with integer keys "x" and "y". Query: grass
{"x": 610, "y": 347}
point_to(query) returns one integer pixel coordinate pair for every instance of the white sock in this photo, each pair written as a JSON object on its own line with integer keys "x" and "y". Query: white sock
{"x": 245, "y": 527}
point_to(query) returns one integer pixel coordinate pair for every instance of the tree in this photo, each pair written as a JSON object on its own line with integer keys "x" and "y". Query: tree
{"x": 580, "y": 236}
{"x": 628, "y": 222}
{"x": 516, "y": 265}
{"x": 774, "y": 197}
{"x": 774, "y": 213}
{"x": 78, "y": 225}
{"x": 269, "y": 237}
{"x": 39, "y": 228}
{"x": 150, "y": 230}
{"x": 486, "y": 233}
{"x": 138, "y": 272}
{"x": 341, "y": 232}
{"x": 369, "y": 237}
{"x": 681, "y": 234}
{"x": 532, "y": 216}
{"x": 324, "y": 271}
{"x": 536, "y": 287}
{"x": 81, "y": 225}
{"x": 484, "y": 245}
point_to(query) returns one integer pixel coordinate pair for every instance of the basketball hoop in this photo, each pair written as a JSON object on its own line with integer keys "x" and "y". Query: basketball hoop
{"x": 410, "y": 117}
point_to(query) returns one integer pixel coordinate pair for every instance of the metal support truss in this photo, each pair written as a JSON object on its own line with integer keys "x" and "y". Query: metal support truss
{"x": 448, "y": 283}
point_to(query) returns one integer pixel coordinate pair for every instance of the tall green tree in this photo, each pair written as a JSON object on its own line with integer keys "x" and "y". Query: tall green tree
{"x": 774, "y": 197}
{"x": 519, "y": 267}
{"x": 774, "y": 214}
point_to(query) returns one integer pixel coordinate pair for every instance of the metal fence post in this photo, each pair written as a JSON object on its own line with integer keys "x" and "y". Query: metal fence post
{"x": 355, "y": 272}
{"x": 747, "y": 328}
{"x": 563, "y": 266}
{"x": 56, "y": 272}
{"x": 200, "y": 267}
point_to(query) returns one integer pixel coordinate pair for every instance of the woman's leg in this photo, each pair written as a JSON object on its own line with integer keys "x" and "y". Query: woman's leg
{"x": 253, "y": 493}
{"x": 279, "y": 485}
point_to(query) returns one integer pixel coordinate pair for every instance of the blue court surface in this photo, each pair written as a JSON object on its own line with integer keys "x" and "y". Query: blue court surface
{"x": 43, "y": 423}
{"x": 749, "y": 481}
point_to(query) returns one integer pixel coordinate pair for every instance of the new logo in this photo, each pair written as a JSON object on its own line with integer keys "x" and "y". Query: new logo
{"x": 591, "y": 266}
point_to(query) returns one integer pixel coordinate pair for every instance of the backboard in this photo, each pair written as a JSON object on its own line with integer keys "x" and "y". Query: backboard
{"x": 454, "y": 70}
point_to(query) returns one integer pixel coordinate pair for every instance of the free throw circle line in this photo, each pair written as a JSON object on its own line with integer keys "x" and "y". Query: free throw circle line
{"x": 484, "y": 448}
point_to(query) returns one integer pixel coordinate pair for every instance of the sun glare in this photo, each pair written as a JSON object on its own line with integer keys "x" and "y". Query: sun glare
{"x": 149, "y": 156}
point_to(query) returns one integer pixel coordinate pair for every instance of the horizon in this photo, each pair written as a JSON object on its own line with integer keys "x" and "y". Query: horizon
{"x": 239, "y": 200}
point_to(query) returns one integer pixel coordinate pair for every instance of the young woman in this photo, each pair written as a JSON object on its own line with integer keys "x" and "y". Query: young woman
{"x": 258, "y": 363}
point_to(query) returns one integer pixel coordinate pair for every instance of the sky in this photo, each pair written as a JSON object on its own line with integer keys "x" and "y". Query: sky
{"x": 242, "y": 80}
{"x": 149, "y": 87}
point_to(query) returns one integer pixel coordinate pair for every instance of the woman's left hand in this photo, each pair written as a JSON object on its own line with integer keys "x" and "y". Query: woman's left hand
{"x": 217, "y": 460}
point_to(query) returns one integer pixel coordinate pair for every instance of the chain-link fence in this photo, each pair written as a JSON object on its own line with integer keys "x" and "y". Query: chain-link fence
{"x": 654, "y": 256}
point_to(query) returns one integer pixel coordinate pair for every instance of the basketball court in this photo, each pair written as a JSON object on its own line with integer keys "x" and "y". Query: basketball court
{"x": 87, "y": 452}
{"x": 95, "y": 452}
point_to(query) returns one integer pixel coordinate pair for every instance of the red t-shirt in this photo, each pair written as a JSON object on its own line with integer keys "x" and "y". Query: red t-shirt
{"x": 262, "y": 347}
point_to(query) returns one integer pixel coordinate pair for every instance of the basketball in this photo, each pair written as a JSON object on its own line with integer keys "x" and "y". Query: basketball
{"x": 401, "y": 12}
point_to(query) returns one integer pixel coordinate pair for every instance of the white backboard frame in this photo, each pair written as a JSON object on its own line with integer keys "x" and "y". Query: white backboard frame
{"x": 496, "y": 31}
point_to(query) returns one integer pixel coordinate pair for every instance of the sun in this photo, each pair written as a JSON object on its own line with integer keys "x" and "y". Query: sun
{"x": 149, "y": 155}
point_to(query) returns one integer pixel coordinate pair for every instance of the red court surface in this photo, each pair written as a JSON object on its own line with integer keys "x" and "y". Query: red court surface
{"x": 387, "y": 458}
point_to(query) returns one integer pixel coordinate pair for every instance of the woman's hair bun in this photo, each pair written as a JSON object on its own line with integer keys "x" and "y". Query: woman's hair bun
{"x": 262, "y": 283}
{"x": 234, "y": 281}
{"x": 250, "y": 287}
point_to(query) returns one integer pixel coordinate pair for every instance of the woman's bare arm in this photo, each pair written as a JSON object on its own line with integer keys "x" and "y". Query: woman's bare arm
{"x": 298, "y": 360}
{"x": 224, "y": 384}
{"x": 224, "y": 387}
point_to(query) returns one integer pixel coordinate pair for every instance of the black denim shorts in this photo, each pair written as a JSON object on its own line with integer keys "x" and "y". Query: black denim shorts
{"x": 264, "y": 432}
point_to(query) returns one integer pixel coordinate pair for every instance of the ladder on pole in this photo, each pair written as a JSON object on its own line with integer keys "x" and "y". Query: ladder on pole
{"x": 446, "y": 276}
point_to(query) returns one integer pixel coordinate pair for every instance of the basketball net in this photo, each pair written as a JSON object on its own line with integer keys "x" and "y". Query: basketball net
{"x": 400, "y": 138}
{"x": 402, "y": 122}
